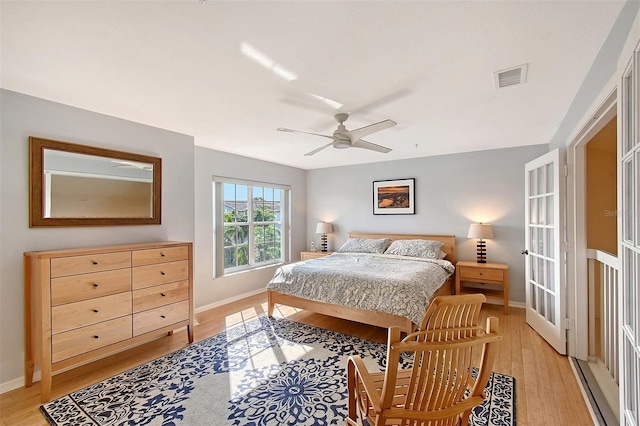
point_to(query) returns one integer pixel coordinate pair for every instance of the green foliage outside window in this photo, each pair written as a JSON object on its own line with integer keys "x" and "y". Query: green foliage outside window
{"x": 266, "y": 239}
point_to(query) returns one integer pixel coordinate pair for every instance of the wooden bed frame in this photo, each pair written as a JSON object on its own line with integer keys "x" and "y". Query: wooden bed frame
{"x": 380, "y": 319}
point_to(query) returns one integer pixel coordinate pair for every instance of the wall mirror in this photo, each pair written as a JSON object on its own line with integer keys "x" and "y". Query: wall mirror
{"x": 79, "y": 185}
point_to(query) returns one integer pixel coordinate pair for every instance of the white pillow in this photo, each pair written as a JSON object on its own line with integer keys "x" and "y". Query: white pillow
{"x": 364, "y": 245}
{"x": 427, "y": 249}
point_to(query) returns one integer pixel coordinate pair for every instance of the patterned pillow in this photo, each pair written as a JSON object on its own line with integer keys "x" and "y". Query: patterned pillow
{"x": 364, "y": 245}
{"x": 427, "y": 249}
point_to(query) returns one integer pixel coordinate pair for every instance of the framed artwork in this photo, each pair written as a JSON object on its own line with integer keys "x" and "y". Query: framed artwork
{"x": 394, "y": 196}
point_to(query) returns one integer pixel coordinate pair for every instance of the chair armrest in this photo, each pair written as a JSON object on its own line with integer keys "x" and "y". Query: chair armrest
{"x": 362, "y": 375}
{"x": 459, "y": 408}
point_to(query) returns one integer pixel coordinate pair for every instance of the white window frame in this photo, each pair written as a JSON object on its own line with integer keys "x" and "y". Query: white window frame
{"x": 218, "y": 225}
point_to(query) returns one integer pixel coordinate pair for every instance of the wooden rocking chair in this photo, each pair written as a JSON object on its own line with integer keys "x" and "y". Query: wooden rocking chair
{"x": 447, "y": 378}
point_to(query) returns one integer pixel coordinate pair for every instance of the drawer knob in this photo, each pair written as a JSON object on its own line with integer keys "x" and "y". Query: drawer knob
{"x": 480, "y": 273}
{"x": 162, "y": 316}
{"x": 96, "y": 337}
{"x": 94, "y": 262}
{"x": 95, "y": 285}
{"x": 162, "y": 254}
{"x": 162, "y": 272}
{"x": 163, "y": 295}
{"x": 96, "y": 311}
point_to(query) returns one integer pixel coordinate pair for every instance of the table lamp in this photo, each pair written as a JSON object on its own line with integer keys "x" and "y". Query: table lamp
{"x": 481, "y": 231}
{"x": 323, "y": 228}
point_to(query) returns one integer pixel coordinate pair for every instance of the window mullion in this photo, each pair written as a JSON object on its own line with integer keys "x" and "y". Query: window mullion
{"x": 252, "y": 248}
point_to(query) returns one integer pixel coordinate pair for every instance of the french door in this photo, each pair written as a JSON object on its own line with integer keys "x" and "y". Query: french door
{"x": 545, "y": 263}
{"x": 629, "y": 208}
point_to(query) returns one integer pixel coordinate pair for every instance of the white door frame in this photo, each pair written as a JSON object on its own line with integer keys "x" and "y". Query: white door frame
{"x": 577, "y": 280}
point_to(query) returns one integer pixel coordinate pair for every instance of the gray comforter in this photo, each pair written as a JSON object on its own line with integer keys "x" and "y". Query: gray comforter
{"x": 398, "y": 285}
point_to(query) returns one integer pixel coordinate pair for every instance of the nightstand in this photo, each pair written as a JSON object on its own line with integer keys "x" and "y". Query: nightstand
{"x": 306, "y": 255}
{"x": 484, "y": 273}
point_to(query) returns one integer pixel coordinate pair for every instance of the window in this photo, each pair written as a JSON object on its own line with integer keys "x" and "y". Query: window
{"x": 252, "y": 218}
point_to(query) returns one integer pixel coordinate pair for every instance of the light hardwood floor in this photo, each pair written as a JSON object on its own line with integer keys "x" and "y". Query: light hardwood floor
{"x": 546, "y": 389}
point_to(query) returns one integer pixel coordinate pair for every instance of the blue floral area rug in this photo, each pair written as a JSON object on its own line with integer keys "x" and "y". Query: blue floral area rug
{"x": 264, "y": 371}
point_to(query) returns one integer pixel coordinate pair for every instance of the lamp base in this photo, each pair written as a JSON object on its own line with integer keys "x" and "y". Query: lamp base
{"x": 481, "y": 250}
{"x": 323, "y": 242}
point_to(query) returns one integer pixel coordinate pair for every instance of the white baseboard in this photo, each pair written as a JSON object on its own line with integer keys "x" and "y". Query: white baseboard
{"x": 229, "y": 300}
{"x": 18, "y": 383}
{"x": 512, "y": 304}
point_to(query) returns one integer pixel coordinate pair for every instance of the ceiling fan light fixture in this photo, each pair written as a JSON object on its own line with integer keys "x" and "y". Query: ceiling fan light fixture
{"x": 340, "y": 144}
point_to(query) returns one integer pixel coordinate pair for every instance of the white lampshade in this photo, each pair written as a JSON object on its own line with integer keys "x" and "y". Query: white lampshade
{"x": 323, "y": 228}
{"x": 481, "y": 231}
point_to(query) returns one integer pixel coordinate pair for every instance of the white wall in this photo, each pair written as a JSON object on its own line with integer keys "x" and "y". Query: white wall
{"x": 452, "y": 191}
{"x": 24, "y": 116}
{"x": 208, "y": 163}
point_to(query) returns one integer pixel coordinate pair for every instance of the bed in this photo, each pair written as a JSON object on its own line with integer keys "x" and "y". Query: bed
{"x": 287, "y": 282}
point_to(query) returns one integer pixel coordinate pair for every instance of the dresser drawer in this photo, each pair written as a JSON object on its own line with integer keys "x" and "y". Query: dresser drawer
{"x": 161, "y": 255}
{"x": 153, "y": 319}
{"x": 73, "y": 265}
{"x": 88, "y": 286}
{"x": 78, "y": 314}
{"x": 165, "y": 294}
{"x": 87, "y": 339}
{"x": 481, "y": 274}
{"x": 162, "y": 273}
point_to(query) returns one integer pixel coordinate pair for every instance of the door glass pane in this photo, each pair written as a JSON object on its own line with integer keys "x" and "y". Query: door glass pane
{"x": 627, "y": 124}
{"x": 540, "y": 273}
{"x": 628, "y": 188}
{"x": 629, "y": 294}
{"x": 550, "y": 175}
{"x": 550, "y": 243}
{"x": 551, "y": 282}
{"x": 551, "y": 312}
{"x": 533, "y": 267}
{"x": 540, "y": 248}
{"x": 533, "y": 210}
{"x": 550, "y": 207}
{"x": 532, "y": 296}
{"x": 541, "y": 307}
{"x": 630, "y": 386}
{"x": 541, "y": 211}
{"x": 532, "y": 183}
{"x": 540, "y": 185}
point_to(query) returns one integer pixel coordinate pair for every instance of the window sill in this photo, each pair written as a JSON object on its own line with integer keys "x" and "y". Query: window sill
{"x": 244, "y": 271}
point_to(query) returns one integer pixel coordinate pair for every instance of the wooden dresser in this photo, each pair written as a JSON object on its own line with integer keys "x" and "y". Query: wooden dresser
{"x": 83, "y": 304}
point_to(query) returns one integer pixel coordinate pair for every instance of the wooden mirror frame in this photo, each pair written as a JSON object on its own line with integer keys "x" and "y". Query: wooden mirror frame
{"x": 36, "y": 173}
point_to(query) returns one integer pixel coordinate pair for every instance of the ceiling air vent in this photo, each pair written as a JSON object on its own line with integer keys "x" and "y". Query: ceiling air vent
{"x": 511, "y": 76}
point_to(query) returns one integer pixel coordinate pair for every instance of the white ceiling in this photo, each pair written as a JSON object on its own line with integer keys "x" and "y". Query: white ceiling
{"x": 426, "y": 64}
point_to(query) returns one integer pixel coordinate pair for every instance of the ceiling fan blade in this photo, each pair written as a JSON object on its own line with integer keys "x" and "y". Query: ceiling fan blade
{"x": 282, "y": 129}
{"x": 372, "y": 146}
{"x": 372, "y": 128}
{"x": 315, "y": 151}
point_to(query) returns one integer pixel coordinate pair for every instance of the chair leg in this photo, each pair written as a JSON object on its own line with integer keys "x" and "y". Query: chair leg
{"x": 351, "y": 389}
{"x": 464, "y": 421}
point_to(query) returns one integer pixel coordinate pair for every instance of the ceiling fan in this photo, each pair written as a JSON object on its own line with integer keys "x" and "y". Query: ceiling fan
{"x": 343, "y": 138}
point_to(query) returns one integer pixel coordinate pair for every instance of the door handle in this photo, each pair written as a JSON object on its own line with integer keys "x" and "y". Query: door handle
{"x": 525, "y": 252}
